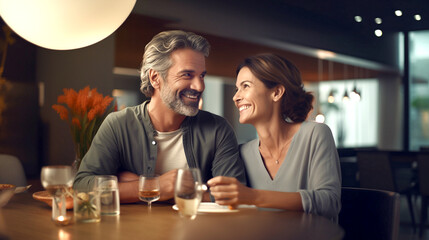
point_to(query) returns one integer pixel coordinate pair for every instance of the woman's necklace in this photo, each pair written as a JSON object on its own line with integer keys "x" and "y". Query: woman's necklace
{"x": 277, "y": 160}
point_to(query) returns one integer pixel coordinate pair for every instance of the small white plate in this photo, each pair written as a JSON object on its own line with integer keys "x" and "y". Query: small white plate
{"x": 209, "y": 207}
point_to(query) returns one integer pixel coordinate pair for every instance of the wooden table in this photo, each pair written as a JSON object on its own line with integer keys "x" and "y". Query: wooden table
{"x": 25, "y": 218}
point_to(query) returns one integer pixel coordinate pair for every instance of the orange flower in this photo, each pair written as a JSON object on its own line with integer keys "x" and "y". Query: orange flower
{"x": 106, "y": 102}
{"x": 62, "y": 99}
{"x": 92, "y": 114}
{"x": 82, "y": 101}
{"x": 62, "y": 111}
{"x": 87, "y": 110}
{"x": 76, "y": 122}
{"x": 71, "y": 98}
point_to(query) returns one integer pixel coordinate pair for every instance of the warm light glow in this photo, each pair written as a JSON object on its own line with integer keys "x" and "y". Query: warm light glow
{"x": 378, "y": 20}
{"x": 63, "y": 235}
{"x": 65, "y": 24}
{"x": 398, "y": 13}
{"x": 417, "y": 17}
{"x": 320, "y": 118}
{"x": 331, "y": 97}
{"x": 322, "y": 54}
{"x": 358, "y": 19}
{"x": 355, "y": 96}
{"x": 346, "y": 97}
{"x": 378, "y": 33}
{"x": 62, "y": 220}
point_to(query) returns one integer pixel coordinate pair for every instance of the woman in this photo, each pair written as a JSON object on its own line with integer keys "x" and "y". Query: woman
{"x": 294, "y": 163}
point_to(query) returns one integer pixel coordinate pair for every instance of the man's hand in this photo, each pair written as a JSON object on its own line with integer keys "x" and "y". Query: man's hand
{"x": 129, "y": 182}
{"x": 167, "y": 182}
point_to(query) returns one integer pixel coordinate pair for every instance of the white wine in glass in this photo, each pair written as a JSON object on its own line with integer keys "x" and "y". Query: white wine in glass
{"x": 188, "y": 192}
{"x": 56, "y": 180}
{"x": 149, "y": 189}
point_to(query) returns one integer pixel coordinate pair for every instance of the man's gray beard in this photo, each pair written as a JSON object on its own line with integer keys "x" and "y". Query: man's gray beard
{"x": 176, "y": 103}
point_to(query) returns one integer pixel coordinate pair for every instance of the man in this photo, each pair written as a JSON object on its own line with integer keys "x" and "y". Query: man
{"x": 167, "y": 132}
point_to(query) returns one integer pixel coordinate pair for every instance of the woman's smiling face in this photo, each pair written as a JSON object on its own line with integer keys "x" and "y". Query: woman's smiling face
{"x": 252, "y": 98}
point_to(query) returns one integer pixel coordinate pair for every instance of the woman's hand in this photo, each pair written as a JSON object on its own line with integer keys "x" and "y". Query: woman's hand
{"x": 229, "y": 191}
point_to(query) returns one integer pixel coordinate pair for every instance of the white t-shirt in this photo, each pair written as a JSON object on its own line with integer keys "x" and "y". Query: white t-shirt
{"x": 171, "y": 154}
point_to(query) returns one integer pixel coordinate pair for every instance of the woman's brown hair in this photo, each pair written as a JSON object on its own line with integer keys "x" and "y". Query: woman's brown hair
{"x": 272, "y": 70}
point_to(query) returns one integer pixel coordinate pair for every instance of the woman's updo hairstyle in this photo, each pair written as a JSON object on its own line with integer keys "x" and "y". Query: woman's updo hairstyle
{"x": 272, "y": 70}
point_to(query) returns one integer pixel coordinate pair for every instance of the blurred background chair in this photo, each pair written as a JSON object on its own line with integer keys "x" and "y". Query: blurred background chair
{"x": 11, "y": 171}
{"x": 423, "y": 170}
{"x": 369, "y": 214}
{"x": 376, "y": 171}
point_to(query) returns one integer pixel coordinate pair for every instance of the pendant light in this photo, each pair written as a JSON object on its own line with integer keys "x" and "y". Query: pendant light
{"x": 331, "y": 97}
{"x": 355, "y": 94}
{"x": 346, "y": 96}
{"x": 65, "y": 24}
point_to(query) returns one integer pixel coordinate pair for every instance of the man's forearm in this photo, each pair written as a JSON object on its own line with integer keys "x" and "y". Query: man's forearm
{"x": 129, "y": 191}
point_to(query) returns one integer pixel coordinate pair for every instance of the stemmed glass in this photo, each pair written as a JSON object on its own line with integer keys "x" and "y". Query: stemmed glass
{"x": 149, "y": 189}
{"x": 188, "y": 192}
{"x": 56, "y": 180}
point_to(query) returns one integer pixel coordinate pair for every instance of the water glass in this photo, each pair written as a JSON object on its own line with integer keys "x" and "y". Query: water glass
{"x": 187, "y": 193}
{"x": 86, "y": 206}
{"x": 107, "y": 188}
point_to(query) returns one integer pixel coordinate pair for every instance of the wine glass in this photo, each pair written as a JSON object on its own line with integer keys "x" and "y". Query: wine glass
{"x": 56, "y": 180}
{"x": 149, "y": 189}
{"x": 188, "y": 192}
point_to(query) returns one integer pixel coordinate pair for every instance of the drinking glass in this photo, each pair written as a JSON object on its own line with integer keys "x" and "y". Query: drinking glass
{"x": 106, "y": 186}
{"x": 188, "y": 192}
{"x": 149, "y": 189}
{"x": 86, "y": 206}
{"x": 56, "y": 180}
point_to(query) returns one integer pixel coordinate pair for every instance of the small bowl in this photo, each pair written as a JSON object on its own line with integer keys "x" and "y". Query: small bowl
{"x": 6, "y": 193}
{"x": 45, "y": 197}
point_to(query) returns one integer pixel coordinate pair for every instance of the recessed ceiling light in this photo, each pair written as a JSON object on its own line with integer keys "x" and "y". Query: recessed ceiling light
{"x": 358, "y": 18}
{"x": 378, "y": 32}
{"x": 398, "y": 13}
{"x": 378, "y": 20}
{"x": 417, "y": 17}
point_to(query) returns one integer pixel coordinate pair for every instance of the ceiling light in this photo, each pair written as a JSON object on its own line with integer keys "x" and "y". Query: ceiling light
{"x": 378, "y": 20}
{"x": 322, "y": 54}
{"x": 378, "y": 32}
{"x": 358, "y": 18}
{"x": 346, "y": 96}
{"x": 417, "y": 17}
{"x": 320, "y": 118}
{"x": 398, "y": 13}
{"x": 65, "y": 24}
{"x": 331, "y": 98}
{"x": 355, "y": 94}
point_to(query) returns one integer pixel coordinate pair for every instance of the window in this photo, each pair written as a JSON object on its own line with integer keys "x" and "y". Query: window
{"x": 354, "y": 123}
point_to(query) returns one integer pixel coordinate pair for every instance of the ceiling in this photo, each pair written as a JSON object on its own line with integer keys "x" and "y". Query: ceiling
{"x": 342, "y": 13}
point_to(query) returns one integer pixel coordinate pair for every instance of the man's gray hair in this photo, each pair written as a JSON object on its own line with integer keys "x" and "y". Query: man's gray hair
{"x": 158, "y": 50}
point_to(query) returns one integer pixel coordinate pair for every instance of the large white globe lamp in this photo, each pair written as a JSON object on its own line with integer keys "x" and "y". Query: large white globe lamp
{"x": 65, "y": 24}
